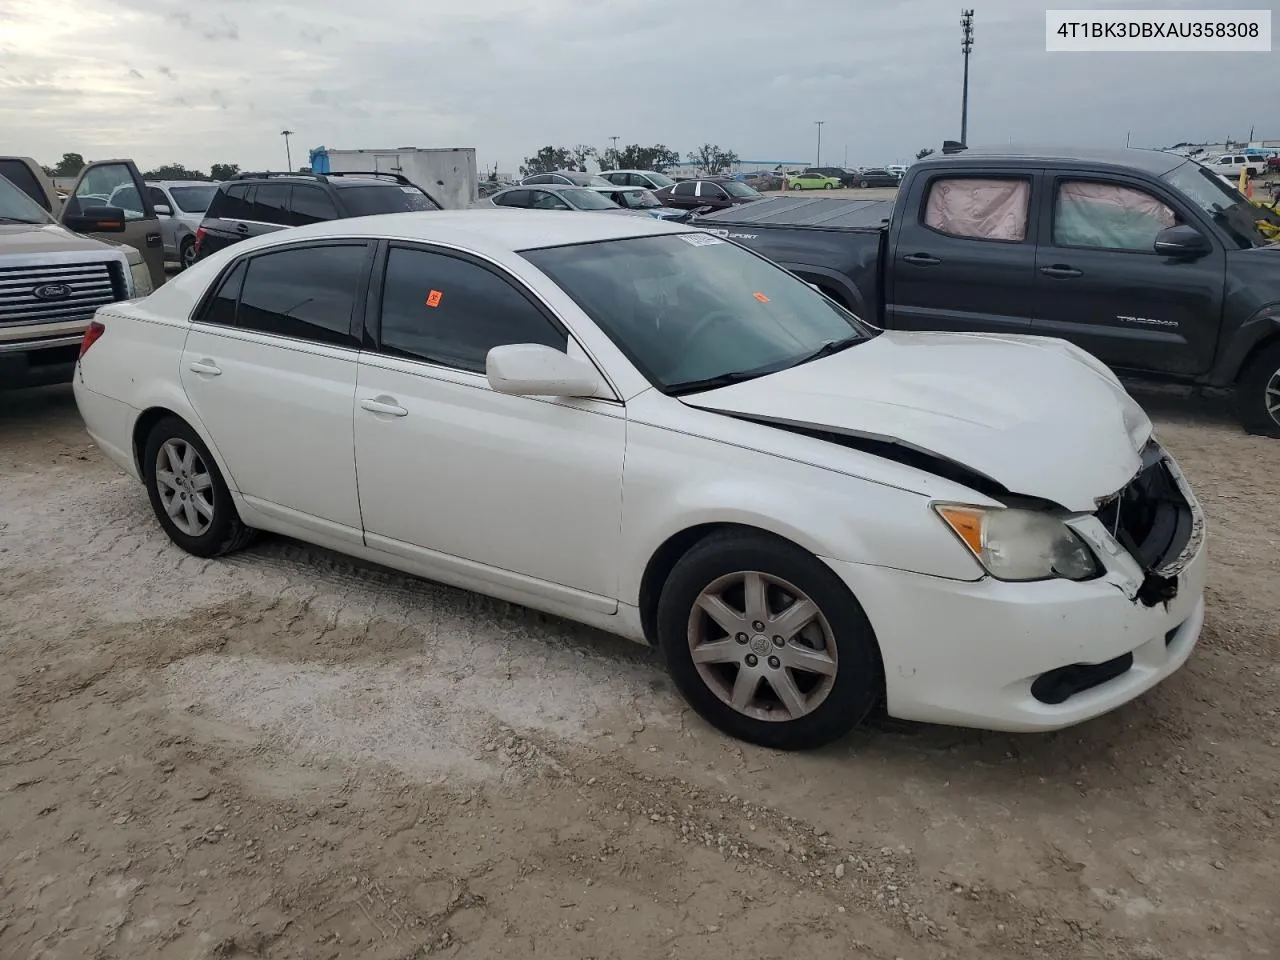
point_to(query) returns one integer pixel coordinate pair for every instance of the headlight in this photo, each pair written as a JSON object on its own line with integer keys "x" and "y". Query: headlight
{"x": 1020, "y": 544}
{"x": 141, "y": 277}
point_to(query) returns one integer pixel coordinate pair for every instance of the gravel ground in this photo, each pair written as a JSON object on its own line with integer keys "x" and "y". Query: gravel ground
{"x": 286, "y": 754}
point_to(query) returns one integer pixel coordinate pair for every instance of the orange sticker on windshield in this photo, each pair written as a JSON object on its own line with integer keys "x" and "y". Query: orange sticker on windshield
{"x": 761, "y": 297}
{"x": 433, "y": 298}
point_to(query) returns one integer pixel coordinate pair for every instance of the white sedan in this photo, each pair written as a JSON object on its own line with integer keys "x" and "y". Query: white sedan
{"x": 646, "y": 428}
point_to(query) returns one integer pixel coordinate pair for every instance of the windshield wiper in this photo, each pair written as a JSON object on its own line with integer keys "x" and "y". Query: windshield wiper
{"x": 829, "y": 347}
{"x": 710, "y": 383}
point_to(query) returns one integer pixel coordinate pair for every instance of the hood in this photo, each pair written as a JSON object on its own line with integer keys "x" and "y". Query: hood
{"x": 42, "y": 238}
{"x": 1037, "y": 416}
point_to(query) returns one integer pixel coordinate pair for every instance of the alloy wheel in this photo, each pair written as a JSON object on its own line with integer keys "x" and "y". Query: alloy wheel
{"x": 762, "y": 646}
{"x": 188, "y": 255}
{"x": 1271, "y": 400}
{"x": 185, "y": 487}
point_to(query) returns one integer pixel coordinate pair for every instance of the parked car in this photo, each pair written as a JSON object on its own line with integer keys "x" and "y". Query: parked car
{"x": 1143, "y": 258}
{"x": 876, "y": 177}
{"x": 252, "y": 204}
{"x": 51, "y": 282}
{"x": 555, "y": 196}
{"x": 567, "y": 178}
{"x": 115, "y": 183}
{"x": 637, "y": 178}
{"x": 806, "y": 515}
{"x": 643, "y": 200}
{"x": 812, "y": 181}
{"x": 713, "y": 192}
{"x": 897, "y": 169}
{"x": 181, "y": 206}
{"x": 1273, "y": 164}
{"x": 1230, "y": 164}
{"x": 765, "y": 181}
{"x": 845, "y": 177}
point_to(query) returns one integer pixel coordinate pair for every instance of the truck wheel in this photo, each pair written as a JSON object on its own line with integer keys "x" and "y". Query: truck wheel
{"x": 862, "y": 183}
{"x": 1258, "y": 393}
{"x": 187, "y": 253}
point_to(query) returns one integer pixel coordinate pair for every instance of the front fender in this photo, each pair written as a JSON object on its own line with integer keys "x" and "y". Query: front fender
{"x": 1262, "y": 326}
{"x": 827, "y": 513}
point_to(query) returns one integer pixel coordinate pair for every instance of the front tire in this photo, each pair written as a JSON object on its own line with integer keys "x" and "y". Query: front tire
{"x": 1258, "y": 393}
{"x": 187, "y": 253}
{"x": 828, "y": 186}
{"x": 766, "y": 643}
{"x": 188, "y": 494}
{"x": 863, "y": 184}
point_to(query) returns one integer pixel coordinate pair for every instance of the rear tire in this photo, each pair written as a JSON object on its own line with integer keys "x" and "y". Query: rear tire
{"x": 188, "y": 494}
{"x": 808, "y": 690}
{"x": 187, "y": 253}
{"x": 1258, "y": 393}
{"x": 863, "y": 184}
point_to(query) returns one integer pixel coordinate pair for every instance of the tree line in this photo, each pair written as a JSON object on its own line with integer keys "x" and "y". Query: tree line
{"x": 709, "y": 158}
{"x": 72, "y": 164}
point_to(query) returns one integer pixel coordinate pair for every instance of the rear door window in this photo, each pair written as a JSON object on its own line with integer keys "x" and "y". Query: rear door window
{"x": 231, "y": 203}
{"x": 310, "y": 205}
{"x": 686, "y": 188}
{"x": 305, "y": 293}
{"x": 978, "y": 208}
{"x": 271, "y": 203}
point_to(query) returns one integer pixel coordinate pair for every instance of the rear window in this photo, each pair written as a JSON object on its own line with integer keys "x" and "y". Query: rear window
{"x": 385, "y": 198}
{"x": 20, "y": 175}
{"x": 193, "y": 199}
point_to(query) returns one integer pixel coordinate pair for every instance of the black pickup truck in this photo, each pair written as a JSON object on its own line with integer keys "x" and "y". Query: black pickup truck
{"x": 1144, "y": 258}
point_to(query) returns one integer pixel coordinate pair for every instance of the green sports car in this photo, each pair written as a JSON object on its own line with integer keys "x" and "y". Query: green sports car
{"x": 811, "y": 181}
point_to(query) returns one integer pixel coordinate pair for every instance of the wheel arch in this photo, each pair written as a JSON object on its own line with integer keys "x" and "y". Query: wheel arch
{"x": 157, "y": 411}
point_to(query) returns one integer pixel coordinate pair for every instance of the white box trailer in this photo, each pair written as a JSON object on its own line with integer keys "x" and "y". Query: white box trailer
{"x": 447, "y": 173}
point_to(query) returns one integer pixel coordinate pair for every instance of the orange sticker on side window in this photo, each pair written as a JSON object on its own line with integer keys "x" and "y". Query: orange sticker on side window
{"x": 433, "y": 298}
{"x": 761, "y": 297}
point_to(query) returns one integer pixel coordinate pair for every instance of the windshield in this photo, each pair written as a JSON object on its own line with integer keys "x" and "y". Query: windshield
{"x": 588, "y": 180}
{"x": 370, "y": 200}
{"x": 736, "y": 188}
{"x": 691, "y": 307}
{"x": 639, "y": 199}
{"x": 660, "y": 180}
{"x": 583, "y": 198}
{"x": 17, "y": 207}
{"x": 193, "y": 199}
{"x": 1211, "y": 194}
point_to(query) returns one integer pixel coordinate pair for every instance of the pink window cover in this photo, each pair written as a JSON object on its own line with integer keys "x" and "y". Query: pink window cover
{"x": 989, "y": 209}
{"x": 1115, "y": 195}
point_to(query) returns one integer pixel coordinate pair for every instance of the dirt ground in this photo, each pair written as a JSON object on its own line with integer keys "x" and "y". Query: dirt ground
{"x": 286, "y": 754}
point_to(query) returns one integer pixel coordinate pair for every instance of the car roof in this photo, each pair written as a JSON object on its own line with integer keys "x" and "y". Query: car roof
{"x": 553, "y": 187}
{"x": 182, "y": 183}
{"x": 495, "y": 231}
{"x": 340, "y": 182}
{"x": 1151, "y": 161}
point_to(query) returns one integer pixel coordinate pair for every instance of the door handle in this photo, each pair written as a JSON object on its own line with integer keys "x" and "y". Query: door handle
{"x": 1061, "y": 271}
{"x": 921, "y": 259}
{"x": 205, "y": 367}
{"x": 384, "y": 405}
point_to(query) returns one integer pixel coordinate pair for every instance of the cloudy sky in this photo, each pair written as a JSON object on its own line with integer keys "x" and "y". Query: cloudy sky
{"x": 217, "y": 80}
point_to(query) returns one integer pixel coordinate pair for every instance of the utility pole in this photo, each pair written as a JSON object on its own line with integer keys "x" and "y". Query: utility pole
{"x": 615, "y": 151}
{"x": 966, "y": 45}
{"x": 818, "y": 161}
{"x": 287, "y": 155}
{"x": 846, "y": 155}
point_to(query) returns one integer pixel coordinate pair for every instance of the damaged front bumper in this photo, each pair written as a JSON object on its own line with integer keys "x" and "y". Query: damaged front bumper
{"x": 1048, "y": 654}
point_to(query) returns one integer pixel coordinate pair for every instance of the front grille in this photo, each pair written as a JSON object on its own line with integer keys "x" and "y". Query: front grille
{"x": 1150, "y": 517}
{"x": 89, "y": 286}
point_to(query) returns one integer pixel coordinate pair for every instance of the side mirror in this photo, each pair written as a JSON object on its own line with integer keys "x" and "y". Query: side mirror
{"x": 1183, "y": 241}
{"x": 163, "y": 210}
{"x": 535, "y": 370}
{"x": 96, "y": 220}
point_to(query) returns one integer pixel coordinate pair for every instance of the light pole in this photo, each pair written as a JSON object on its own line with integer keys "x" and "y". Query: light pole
{"x": 615, "y": 151}
{"x": 966, "y": 45}
{"x": 818, "y": 161}
{"x": 288, "y": 157}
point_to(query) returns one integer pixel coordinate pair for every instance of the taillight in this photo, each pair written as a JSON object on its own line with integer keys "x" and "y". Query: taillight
{"x": 199, "y": 237}
{"x": 91, "y": 335}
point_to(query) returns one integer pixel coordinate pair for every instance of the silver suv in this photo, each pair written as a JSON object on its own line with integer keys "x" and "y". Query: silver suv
{"x": 180, "y": 205}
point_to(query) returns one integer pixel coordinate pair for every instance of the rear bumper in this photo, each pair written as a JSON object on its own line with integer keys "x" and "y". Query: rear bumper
{"x": 109, "y": 424}
{"x": 38, "y": 363}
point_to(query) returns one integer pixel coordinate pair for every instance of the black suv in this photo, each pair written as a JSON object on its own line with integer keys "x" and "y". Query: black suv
{"x": 251, "y": 204}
